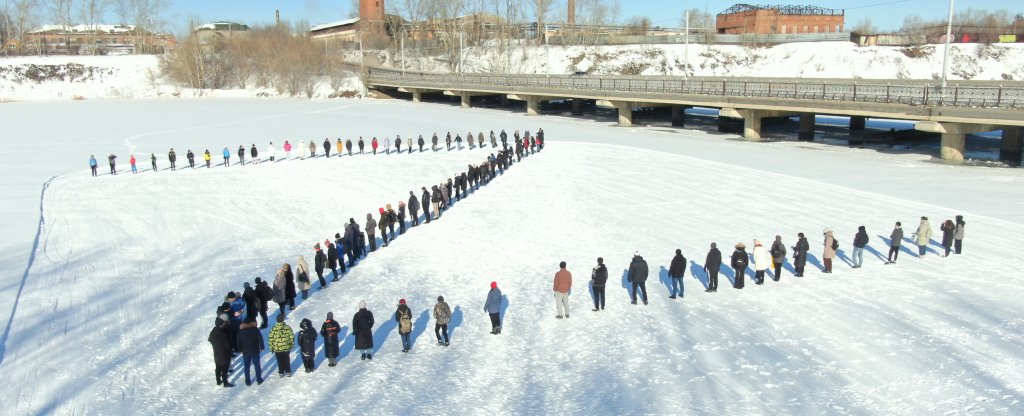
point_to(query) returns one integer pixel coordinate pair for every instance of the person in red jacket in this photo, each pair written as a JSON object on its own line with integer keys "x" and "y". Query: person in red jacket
{"x": 132, "y": 161}
{"x": 373, "y": 144}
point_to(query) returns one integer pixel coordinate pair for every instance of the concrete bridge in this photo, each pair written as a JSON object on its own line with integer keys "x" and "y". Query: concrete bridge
{"x": 963, "y": 107}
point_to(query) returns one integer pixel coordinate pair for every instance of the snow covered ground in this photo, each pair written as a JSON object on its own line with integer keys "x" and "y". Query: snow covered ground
{"x": 112, "y": 316}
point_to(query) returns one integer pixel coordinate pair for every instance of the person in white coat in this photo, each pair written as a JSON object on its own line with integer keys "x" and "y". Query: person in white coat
{"x": 762, "y": 261}
{"x": 271, "y": 151}
{"x": 923, "y": 236}
{"x": 302, "y": 147}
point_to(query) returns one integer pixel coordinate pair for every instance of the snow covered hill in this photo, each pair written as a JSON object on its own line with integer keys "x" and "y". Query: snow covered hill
{"x": 112, "y": 316}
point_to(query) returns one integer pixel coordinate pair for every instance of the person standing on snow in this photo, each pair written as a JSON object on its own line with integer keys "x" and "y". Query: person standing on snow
{"x": 330, "y": 330}
{"x": 433, "y": 141}
{"x": 152, "y": 160}
{"x": 948, "y": 229}
{"x": 958, "y": 236}
{"x": 348, "y": 145}
{"x": 271, "y": 151}
{"x": 222, "y": 351}
{"x": 403, "y": 316}
{"x": 332, "y": 260}
{"x": 255, "y": 154}
{"x": 421, "y": 143}
{"x": 191, "y": 158}
{"x": 289, "y": 288}
{"x": 236, "y": 315}
{"x": 414, "y": 209}
{"x": 131, "y": 161}
{"x": 327, "y": 148}
{"x": 373, "y": 145}
{"x": 800, "y": 254}
{"x": 250, "y": 342}
{"x": 860, "y": 240}
{"x": 280, "y": 291}
{"x": 561, "y": 287}
{"x": 382, "y": 224}
{"x": 312, "y": 148}
{"x": 252, "y": 302}
{"x": 206, "y": 156}
{"x": 425, "y": 203}
{"x": 739, "y": 263}
{"x": 762, "y": 261}
{"x": 362, "y": 145}
{"x": 112, "y": 159}
{"x": 493, "y": 308}
{"x": 241, "y": 154}
{"x": 712, "y": 264}
{"x": 830, "y": 250}
{"x": 371, "y": 230}
{"x": 895, "y": 243}
{"x": 319, "y": 260}
{"x": 401, "y": 217}
{"x": 93, "y": 165}
{"x": 442, "y": 316}
{"x": 676, "y": 271}
{"x": 339, "y": 146}
{"x": 302, "y": 275}
{"x": 637, "y": 276}
{"x": 265, "y": 294}
{"x": 227, "y": 156}
{"x": 282, "y": 340}
{"x": 340, "y": 250}
{"x": 362, "y": 329}
{"x": 778, "y": 252}
{"x": 408, "y": 144}
{"x": 387, "y": 146}
{"x": 436, "y": 198}
{"x": 392, "y": 218}
{"x": 307, "y": 344}
{"x": 598, "y": 279}
{"x": 287, "y": 150}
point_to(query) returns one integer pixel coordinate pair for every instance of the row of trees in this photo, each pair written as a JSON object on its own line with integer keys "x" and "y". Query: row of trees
{"x": 275, "y": 56}
{"x": 19, "y": 17}
{"x": 974, "y": 21}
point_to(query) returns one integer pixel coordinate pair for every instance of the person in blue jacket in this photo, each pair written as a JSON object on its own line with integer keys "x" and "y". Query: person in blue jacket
{"x": 493, "y": 308}
{"x": 93, "y": 164}
{"x": 236, "y": 315}
{"x": 227, "y": 157}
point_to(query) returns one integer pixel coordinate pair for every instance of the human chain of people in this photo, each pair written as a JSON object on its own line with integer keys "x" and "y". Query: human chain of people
{"x": 521, "y": 144}
{"x": 236, "y": 331}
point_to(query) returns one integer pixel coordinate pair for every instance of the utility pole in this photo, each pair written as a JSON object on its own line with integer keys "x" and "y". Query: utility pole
{"x": 401, "y": 43}
{"x": 945, "y": 52}
{"x": 686, "y": 47}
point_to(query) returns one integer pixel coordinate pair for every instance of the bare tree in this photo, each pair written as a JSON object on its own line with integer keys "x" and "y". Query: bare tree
{"x": 146, "y": 16}
{"x": 541, "y": 11}
{"x": 24, "y": 14}
{"x": 865, "y": 26}
{"x": 91, "y": 13}
{"x": 60, "y": 12}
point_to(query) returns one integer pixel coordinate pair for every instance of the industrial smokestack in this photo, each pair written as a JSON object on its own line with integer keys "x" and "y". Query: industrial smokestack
{"x": 277, "y": 17}
{"x": 571, "y": 20}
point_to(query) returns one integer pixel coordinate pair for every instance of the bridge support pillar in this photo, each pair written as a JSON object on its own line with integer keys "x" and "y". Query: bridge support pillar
{"x": 857, "y": 123}
{"x": 577, "y": 106}
{"x": 1010, "y": 149}
{"x": 806, "y": 127}
{"x": 467, "y": 100}
{"x": 532, "y": 106}
{"x": 679, "y": 115}
{"x": 417, "y": 96}
{"x": 625, "y": 113}
{"x": 953, "y": 137}
{"x": 751, "y": 124}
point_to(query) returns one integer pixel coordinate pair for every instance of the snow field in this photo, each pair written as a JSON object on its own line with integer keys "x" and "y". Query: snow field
{"x": 140, "y": 264}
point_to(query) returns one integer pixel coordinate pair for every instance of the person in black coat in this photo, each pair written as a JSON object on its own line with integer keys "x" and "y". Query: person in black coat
{"x": 191, "y": 159}
{"x": 425, "y": 203}
{"x": 712, "y": 264}
{"x": 414, "y": 209}
{"x": 252, "y": 302}
{"x": 332, "y": 260}
{"x": 740, "y": 260}
{"x": 289, "y": 286}
{"x": 637, "y": 275}
{"x": 306, "y": 338}
{"x": 319, "y": 261}
{"x": 354, "y": 245}
{"x": 598, "y": 279}
{"x": 676, "y": 271}
{"x": 362, "y": 329}
{"x": 401, "y": 218}
{"x": 800, "y": 254}
{"x": 250, "y": 341}
{"x": 254, "y": 153}
{"x": 265, "y": 294}
{"x": 348, "y": 146}
{"x": 330, "y": 330}
{"x": 327, "y": 148}
{"x": 222, "y": 350}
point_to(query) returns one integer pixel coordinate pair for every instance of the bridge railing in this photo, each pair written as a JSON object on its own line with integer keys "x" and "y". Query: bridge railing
{"x": 859, "y": 91}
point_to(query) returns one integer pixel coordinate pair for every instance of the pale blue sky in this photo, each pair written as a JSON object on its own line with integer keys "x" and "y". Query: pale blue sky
{"x": 885, "y": 14}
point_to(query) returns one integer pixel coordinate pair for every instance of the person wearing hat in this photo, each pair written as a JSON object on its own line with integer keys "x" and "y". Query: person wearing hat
{"x": 414, "y": 209}
{"x": 172, "y": 157}
{"x": 221, "y": 343}
{"x": 252, "y": 302}
{"x": 362, "y": 329}
{"x": 282, "y": 340}
{"x": 493, "y": 308}
{"x": 739, "y": 263}
{"x": 637, "y": 276}
{"x": 762, "y": 261}
{"x": 93, "y": 165}
{"x": 302, "y": 276}
{"x": 442, "y": 316}
{"x": 425, "y": 203}
{"x": 112, "y": 159}
{"x": 382, "y": 224}
{"x": 958, "y": 234}
{"x": 319, "y": 261}
{"x": 330, "y": 330}
{"x": 676, "y": 271}
{"x": 800, "y": 254}
{"x": 266, "y": 295}
{"x": 307, "y": 344}
{"x": 392, "y": 218}
{"x": 401, "y": 217}
{"x": 598, "y": 280}
{"x": 778, "y": 252}
{"x": 712, "y": 264}
{"x": 236, "y": 316}
{"x": 332, "y": 259}
{"x": 280, "y": 291}
{"x": 561, "y": 287}
{"x": 830, "y": 250}
{"x": 352, "y": 241}
{"x": 403, "y": 315}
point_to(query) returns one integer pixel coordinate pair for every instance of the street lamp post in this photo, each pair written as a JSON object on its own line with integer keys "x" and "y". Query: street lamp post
{"x": 945, "y": 53}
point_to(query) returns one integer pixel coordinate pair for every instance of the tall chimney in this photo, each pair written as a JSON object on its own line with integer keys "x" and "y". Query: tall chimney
{"x": 571, "y": 20}
{"x": 277, "y": 17}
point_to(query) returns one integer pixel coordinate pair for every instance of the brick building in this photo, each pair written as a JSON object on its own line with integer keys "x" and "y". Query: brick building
{"x": 95, "y": 39}
{"x": 757, "y": 19}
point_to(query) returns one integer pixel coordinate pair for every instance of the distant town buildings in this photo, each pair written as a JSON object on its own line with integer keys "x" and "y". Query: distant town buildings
{"x": 92, "y": 40}
{"x": 742, "y": 19}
